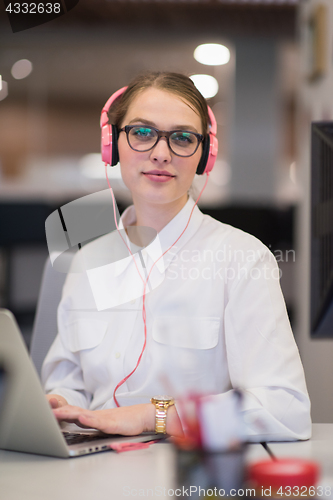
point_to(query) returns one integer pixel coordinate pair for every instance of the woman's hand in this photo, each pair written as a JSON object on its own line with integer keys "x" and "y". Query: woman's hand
{"x": 56, "y": 401}
{"x": 126, "y": 420}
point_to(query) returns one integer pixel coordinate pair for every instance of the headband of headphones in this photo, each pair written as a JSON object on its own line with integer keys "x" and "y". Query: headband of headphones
{"x": 109, "y": 139}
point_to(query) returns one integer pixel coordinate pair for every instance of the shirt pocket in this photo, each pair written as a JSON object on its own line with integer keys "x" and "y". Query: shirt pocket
{"x": 189, "y": 333}
{"x": 84, "y": 334}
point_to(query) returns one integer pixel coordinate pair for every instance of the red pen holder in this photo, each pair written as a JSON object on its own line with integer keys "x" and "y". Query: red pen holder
{"x": 284, "y": 478}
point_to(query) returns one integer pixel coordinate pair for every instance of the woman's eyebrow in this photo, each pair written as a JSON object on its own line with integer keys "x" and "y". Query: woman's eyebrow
{"x": 142, "y": 120}
{"x": 152, "y": 124}
{"x": 186, "y": 127}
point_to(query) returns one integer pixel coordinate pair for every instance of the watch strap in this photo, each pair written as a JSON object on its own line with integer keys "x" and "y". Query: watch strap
{"x": 161, "y": 411}
{"x": 160, "y": 419}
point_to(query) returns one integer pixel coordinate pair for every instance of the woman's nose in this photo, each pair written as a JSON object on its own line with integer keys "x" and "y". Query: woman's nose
{"x": 161, "y": 152}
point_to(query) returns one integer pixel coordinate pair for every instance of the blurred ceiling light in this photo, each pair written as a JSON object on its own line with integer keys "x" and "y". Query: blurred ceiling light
{"x": 206, "y": 84}
{"x": 292, "y": 172}
{"x": 21, "y": 69}
{"x": 3, "y": 90}
{"x": 91, "y": 166}
{"x": 212, "y": 54}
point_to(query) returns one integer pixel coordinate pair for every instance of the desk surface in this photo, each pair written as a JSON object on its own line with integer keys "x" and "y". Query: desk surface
{"x": 107, "y": 475}
{"x": 111, "y": 476}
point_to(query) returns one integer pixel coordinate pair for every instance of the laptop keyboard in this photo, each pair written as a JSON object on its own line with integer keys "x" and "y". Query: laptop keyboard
{"x": 77, "y": 438}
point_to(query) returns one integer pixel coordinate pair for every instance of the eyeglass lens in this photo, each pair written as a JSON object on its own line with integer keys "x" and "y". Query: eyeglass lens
{"x": 145, "y": 138}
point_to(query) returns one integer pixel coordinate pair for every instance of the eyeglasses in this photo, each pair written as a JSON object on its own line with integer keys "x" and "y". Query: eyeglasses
{"x": 181, "y": 142}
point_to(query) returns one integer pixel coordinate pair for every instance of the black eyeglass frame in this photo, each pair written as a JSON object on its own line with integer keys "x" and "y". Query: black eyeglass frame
{"x": 162, "y": 133}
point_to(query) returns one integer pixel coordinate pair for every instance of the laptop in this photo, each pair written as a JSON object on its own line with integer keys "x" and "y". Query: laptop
{"x": 27, "y": 423}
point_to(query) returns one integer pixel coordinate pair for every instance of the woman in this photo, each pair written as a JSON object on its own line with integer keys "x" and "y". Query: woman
{"x": 213, "y": 318}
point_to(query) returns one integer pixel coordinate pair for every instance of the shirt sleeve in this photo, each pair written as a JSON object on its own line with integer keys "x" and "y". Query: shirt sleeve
{"x": 262, "y": 355}
{"x": 62, "y": 375}
{"x": 61, "y": 371}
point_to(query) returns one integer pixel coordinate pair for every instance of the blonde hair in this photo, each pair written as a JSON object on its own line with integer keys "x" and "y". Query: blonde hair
{"x": 176, "y": 83}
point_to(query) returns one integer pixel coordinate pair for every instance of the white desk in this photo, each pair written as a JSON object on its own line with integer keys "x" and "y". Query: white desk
{"x": 104, "y": 476}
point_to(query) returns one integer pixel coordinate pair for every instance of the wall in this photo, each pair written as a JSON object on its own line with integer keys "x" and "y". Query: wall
{"x": 255, "y": 134}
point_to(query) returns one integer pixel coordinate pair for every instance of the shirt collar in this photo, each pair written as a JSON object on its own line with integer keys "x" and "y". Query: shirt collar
{"x": 167, "y": 237}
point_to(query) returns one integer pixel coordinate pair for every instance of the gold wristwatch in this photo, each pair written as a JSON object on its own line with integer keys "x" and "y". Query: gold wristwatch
{"x": 162, "y": 403}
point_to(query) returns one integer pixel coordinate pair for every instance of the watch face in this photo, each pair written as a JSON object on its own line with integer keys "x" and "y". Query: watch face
{"x": 163, "y": 398}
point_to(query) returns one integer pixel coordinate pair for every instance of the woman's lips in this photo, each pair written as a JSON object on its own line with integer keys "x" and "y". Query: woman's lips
{"x": 159, "y": 176}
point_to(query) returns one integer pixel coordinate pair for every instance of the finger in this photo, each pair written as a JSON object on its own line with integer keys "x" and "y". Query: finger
{"x": 54, "y": 403}
{"x": 89, "y": 421}
{"x": 64, "y": 418}
{"x": 68, "y": 411}
{"x": 71, "y": 415}
{"x": 61, "y": 415}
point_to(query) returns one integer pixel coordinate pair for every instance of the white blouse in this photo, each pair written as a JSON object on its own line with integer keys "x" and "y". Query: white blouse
{"x": 216, "y": 320}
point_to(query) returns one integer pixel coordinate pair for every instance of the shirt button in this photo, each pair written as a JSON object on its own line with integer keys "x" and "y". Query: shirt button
{"x": 117, "y": 355}
{"x": 133, "y": 301}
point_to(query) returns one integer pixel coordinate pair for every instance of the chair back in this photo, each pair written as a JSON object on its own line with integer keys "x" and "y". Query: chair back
{"x": 45, "y": 324}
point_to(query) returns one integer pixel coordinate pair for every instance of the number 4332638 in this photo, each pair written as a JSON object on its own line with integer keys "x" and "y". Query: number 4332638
{"x": 33, "y": 8}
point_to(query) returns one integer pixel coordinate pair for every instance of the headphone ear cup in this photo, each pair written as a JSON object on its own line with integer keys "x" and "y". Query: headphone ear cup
{"x": 213, "y": 148}
{"x": 106, "y": 141}
{"x": 114, "y": 139}
{"x": 204, "y": 156}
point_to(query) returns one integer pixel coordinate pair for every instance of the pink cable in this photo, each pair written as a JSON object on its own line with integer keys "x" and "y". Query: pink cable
{"x": 145, "y": 281}
{"x": 115, "y": 220}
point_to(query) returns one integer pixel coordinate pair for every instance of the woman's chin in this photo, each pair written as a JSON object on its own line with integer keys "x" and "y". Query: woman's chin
{"x": 162, "y": 197}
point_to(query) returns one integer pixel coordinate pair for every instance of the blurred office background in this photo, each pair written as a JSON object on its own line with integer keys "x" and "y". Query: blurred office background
{"x": 277, "y": 80}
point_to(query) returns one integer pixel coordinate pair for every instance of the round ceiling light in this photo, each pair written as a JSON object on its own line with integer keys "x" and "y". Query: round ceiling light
{"x": 206, "y": 84}
{"x": 21, "y": 69}
{"x": 212, "y": 54}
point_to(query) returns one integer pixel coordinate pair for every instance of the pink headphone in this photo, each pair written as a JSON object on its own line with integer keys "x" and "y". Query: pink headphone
{"x": 109, "y": 144}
